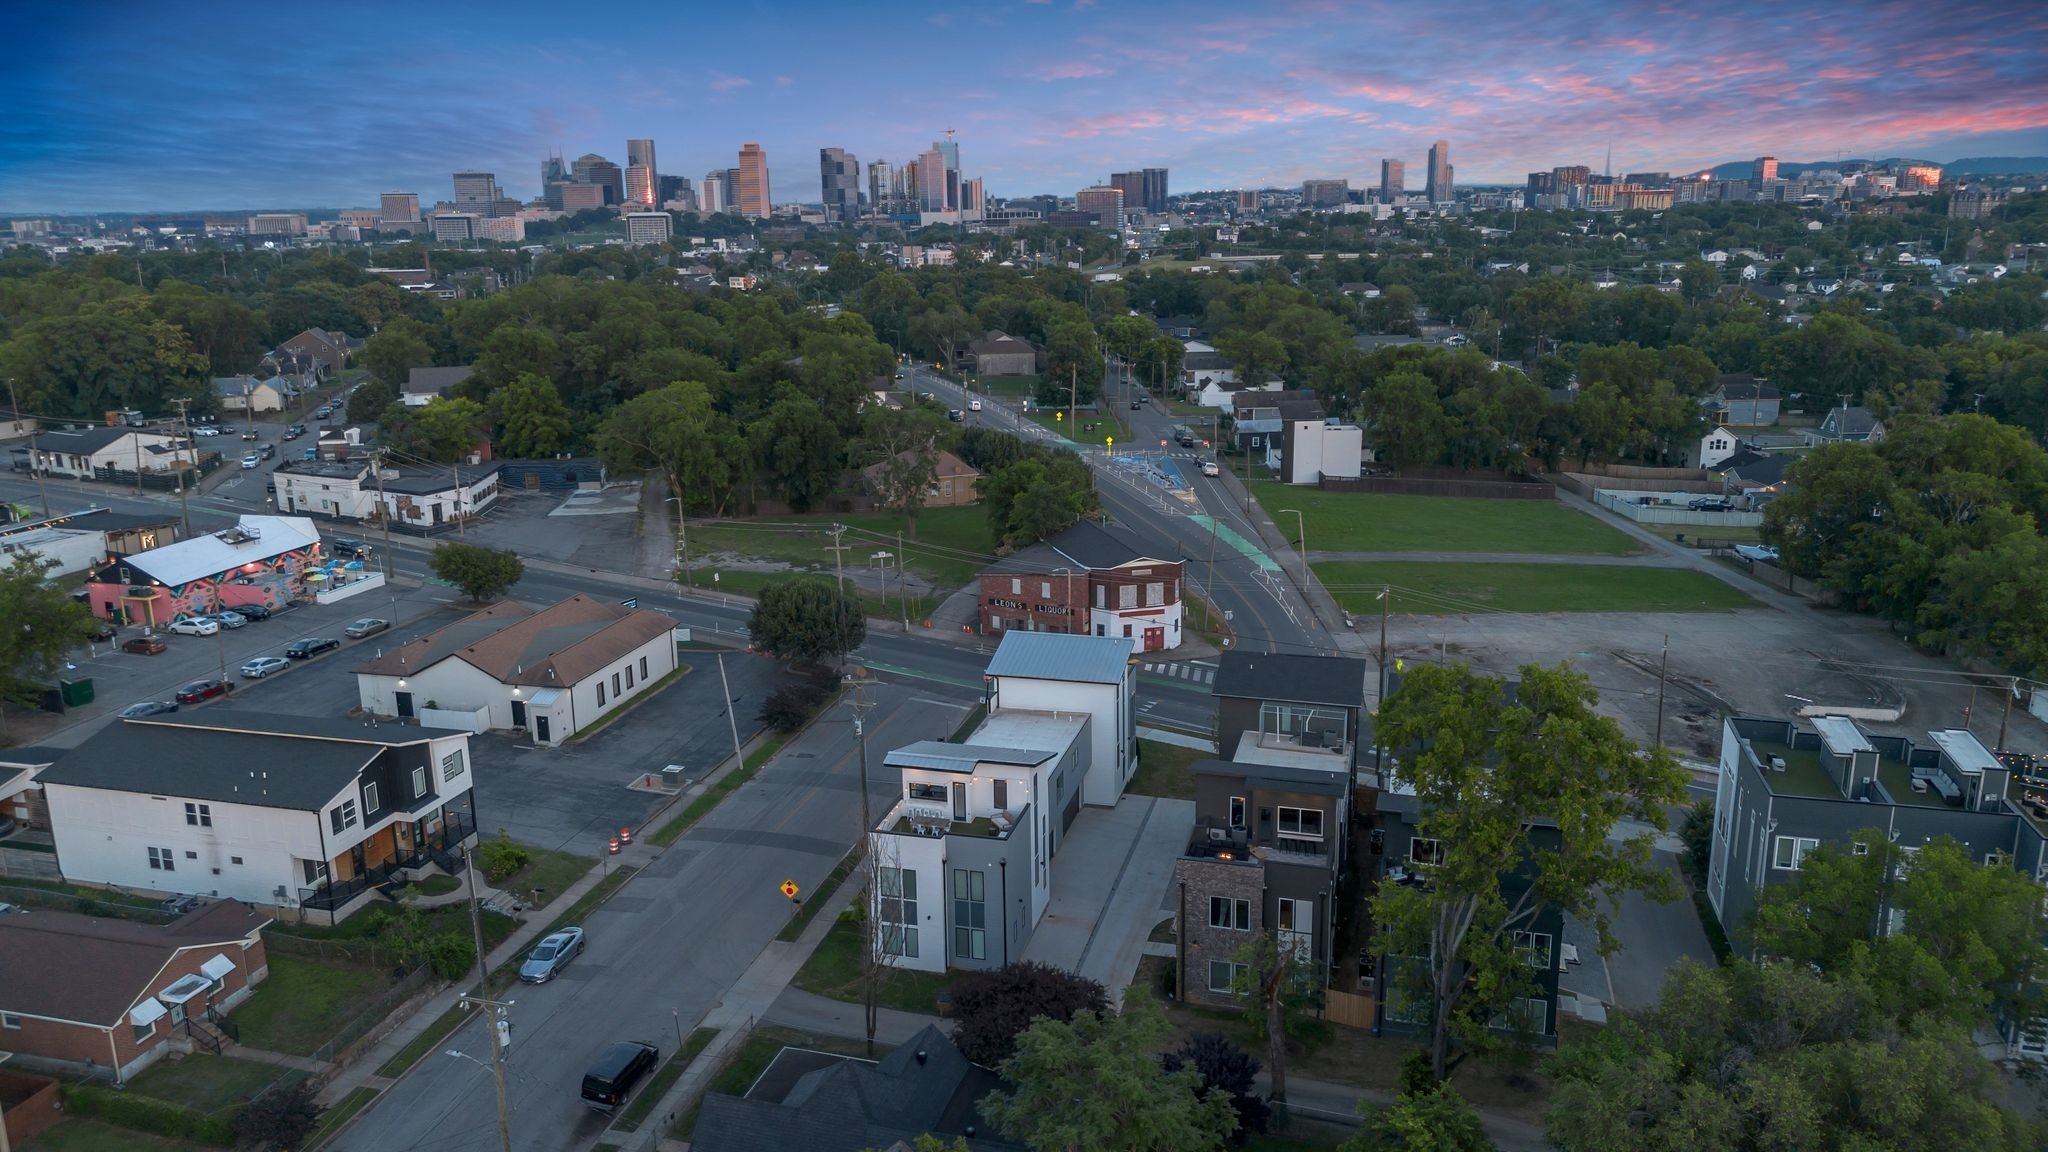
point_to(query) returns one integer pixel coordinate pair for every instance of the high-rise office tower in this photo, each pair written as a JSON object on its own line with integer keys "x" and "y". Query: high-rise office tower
{"x": 839, "y": 181}
{"x": 752, "y": 191}
{"x": 949, "y": 181}
{"x": 553, "y": 171}
{"x": 1247, "y": 199}
{"x": 1324, "y": 193}
{"x": 1439, "y": 190}
{"x": 885, "y": 188}
{"x": 711, "y": 193}
{"x": 476, "y": 192}
{"x": 639, "y": 185}
{"x": 400, "y": 207}
{"x": 1393, "y": 180}
{"x": 1104, "y": 202}
{"x": 931, "y": 181}
{"x": 641, "y": 152}
{"x": 1764, "y": 170}
{"x": 1155, "y": 189}
{"x": 973, "y": 201}
{"x": 590, "y": 168}
{"x": 1132, "y": 185}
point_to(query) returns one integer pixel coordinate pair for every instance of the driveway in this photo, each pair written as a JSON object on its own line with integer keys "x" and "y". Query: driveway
{"x": 1653, "y": 938}
{"x": 1110, "y": 885}
{"x": 574, "y": 798}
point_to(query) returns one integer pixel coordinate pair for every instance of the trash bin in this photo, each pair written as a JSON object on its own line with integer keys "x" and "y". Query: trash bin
{"x": 76, "y": 692}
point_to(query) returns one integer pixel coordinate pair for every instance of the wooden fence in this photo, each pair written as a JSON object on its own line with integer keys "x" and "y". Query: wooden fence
{"x": 1351, "y": 1009}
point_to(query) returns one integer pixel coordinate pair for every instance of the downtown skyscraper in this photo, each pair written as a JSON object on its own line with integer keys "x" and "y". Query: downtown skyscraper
{"x": 1393, "y": 180}
{"x": 643, "y": 182}
{"x": 839, "y": 179}
{"x": 1439, "y": 188}
{"x": 751, "y": 195}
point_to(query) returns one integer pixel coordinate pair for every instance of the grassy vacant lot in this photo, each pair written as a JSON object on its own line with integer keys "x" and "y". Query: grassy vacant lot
{"x": 1108, "y": 422}
{"x": 303, "y": 1004}
{"x": 834, "y": 971}
{"x": 547, "y": 875}
{"x": 745, "y": 1066}
{"x": 1371, "y": 522}
{"x": 206, "y": 1083}
{"x": 1427, "y": 589}
{"x": 1163, "y": 770}
{"x": 78, "y": 1135}
{"x": 951, "y": 544}
{"x": 1007, "y": 385}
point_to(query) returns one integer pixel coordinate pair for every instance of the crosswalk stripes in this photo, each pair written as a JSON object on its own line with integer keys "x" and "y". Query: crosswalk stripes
{"x": 1192, "y": 671}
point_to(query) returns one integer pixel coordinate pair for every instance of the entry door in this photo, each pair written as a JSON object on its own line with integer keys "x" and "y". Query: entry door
{"x": 1155, "y": 639}
{"x": 355, "y": 856}
{"x": 959, "y": 801}
{"x": 540, "y": 729}
{"x": 405, "y": 704}
{"x": 519, "y": 713}
{"x": 177, "y": 1016}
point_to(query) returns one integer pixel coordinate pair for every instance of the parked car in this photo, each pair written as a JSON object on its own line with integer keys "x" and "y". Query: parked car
{"x": 146, "y": 646}
{"x": 253, "y": 612}
{"x": 205, "y": 430}
{"x": 974, "y": 405}
{"x": 102, "y": 630}
{"x": 955, "y": 415}
{"x": 207, "y": 689}
{"x": 267, "y": 451}
{"x": 311, "y": 646}
{"x": 230, "y": 619}
{"x": 323, "y": 412}
{"x": 1711, "y": 504}
{"x": 367, "y": 626}
{"x": 612, "y": 1075}
{"x": 551, "y": 955}
{"x": 251, "y": 460}
{"x": 350, "y": 547}
{"x": 251, "y": 434}
{"x": 263, "y": 666}
{"x": 1209, "y": 468}
{"x": 148, "y": 708}
{"x": 195, "y": 626}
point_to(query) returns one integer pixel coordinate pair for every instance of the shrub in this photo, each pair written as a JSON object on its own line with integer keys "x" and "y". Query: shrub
{"x": 451, "y": 953}
{"x": 500, "y": 857}
{"x": 1225, "y": 1068}
{"x": 279, "y": 1120}
{"x": 995, "y": 1006}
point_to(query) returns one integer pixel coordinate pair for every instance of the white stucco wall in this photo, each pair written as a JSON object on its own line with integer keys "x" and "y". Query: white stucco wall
{"x": 103, "y": 837}
{"x": 925, "y": 856}
{"x": 1113, "y": 749}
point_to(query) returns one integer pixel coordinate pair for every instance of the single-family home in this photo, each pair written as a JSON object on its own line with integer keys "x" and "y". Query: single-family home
{"x": 1740, "y": 400}
{"x": 95, "y": 994}
{"x": 953, "y": 481}
{"x": 1755, "y": 477}
{"x": 329, "y": 349}
{"x": 1000, "y": 354}
{"x": 247, "y": 395}
{"x": 299, "y": 813}
{"x": 548, "y": 671}
{"x": 1278, "y": 708}
{"x": 1258, "y": 417}
{"x": 1075, "y": 675}
{"x": 16, "y": 425}
{"x": 1717, "y": 445}
{"x": 1848, "y": 424}
{"x": 424, "y": 384}
{"x": 1312, "y": 448}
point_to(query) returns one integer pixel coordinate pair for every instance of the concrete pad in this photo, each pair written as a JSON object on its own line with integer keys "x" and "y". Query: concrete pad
{"x": 1109, "y": 885}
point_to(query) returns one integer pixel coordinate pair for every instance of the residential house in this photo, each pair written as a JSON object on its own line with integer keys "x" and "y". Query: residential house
{"x": 356, "y": 489}
{"x": 1088, "y": 580}
{"x": 1258, "y": 417}
{"x": 1756, "y": 477}
{"x": 1266, "y": 856}
{"x": 1740, "y": 400}
{"x": 246, "y": 395}
{"x": 424, "y": 384}
{"x": 1314, "y": 447}
{"x": 300, "y": 813}
{"x": 999, "y": 354}
{"x": 1076, "y": 675}
{"x": 17, "y": 425}
{"x": 1849, "y": 424}
{"x": 330, "y": 350}
{"x": 953, "y": 481}
{"x": 1717, "y": 445}
{"x": 20, "y": 801}
{"x": 1289, "y": 710}
{"x": 93, "y": 994}
{"x": 549, "y": 671}
{"x": 818, "y": 1102}
{"x": 261, "y": 560}
{"x": 104, "y": 453}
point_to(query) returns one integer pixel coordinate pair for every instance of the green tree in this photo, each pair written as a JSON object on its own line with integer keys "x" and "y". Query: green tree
{"x": 905, "y": 443}
{"x": 1407, "y": 419}
{"x": 532, "y": 422}
{"x": 44, "y": 625}
{"x": 1277, "y": 989}
{"x": 994, "y": 1006}
{"x": 1073, "y": 363}
{"x": 368, "y": 400}
{"x": 396, "y": 350}
{"x": 281, "y": 1120}
{"x": 1125, "y": 336}
{"x": 1485, "y": 769}
{"x": 1435, "y": 1119}
{"x": 806, "y": 620}
{"x": 1096, "y": 1083}
{"x": 798, "y": 451}
{"x": 1257, "y": 356}
{"x": 446, "y": 429}
{"x": 482, "y": 573}
{"x": 676, "y": 432}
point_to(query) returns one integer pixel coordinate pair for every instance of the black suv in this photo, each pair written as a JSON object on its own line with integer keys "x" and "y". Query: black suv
{"x": 312, "y": 646}
{"x": 615, "y": 1071}
{"x": 350, "y": 548}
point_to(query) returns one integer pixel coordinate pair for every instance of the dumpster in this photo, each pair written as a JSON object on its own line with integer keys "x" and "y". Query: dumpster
{"x": 76, "y": 692}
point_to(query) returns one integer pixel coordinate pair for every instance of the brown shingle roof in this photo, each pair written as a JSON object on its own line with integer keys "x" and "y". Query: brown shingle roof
{"x": 71, "y": 967}
{"x": 516, "y": 644}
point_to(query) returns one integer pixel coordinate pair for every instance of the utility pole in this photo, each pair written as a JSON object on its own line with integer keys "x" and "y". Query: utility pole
{"x": 384, "y": 517}
{"x": 494, "y": 1013}
{"x": 861, "y": 707}
{"x": 2012, "y": 689}
{"x": 838, "y": 551}
{"x": 738, "y": 760}
{"x": 1386, "y": 603}
{"x": 184, "y": 501}
{"x": 35, "y": 459}
{"x": 902, "y": 592}
{"x": 1073, "y": 400}
{"x": 460, "y": 532}
{"x": 1663, "y": 667}
{"x": 682, "y": 535}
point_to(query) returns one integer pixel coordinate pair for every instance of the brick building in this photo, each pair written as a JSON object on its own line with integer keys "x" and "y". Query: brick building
{"x": 1088, "y": 581}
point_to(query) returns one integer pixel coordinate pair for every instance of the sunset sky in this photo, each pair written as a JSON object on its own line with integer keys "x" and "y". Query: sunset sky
{"x": 134, "y": 106}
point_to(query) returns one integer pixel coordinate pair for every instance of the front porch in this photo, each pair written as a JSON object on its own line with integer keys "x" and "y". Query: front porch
{"x": 384, "y": 861}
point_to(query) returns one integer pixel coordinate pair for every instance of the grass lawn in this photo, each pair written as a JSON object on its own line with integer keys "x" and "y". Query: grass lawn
{"x": 547, "y": 875}
{"x": 834, "y": 971}
{"x": 77, "y": 1135}
{"x": 1108, "y": 423}
{"x": 206, "y": 1083}
{"x": 361, "y": 925}
{"x": 436, "y": 885}
{"x": 816, "y": 899}
{"x": 1163, "y": 770}
{"x": 332, "y": 1119}
{"x": 950, "y": 548}
{"x": 1007, "y": 385}
{"x": 664, "y": 1079}
{"x": 753, "y": 1058}
{"x": 302, "y": 1004}
{"x": 750, "y": 582}
{"x": 1372, "y": 522}
{"x": 1525, "y": 588}
{"x": 1694, "y": 533}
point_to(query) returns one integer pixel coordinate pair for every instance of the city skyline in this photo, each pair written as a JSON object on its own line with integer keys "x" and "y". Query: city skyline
{"x": 115, "y": 116}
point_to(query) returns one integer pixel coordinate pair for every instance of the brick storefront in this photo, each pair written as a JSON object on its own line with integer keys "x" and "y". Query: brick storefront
{"x": 1034, "y": 602}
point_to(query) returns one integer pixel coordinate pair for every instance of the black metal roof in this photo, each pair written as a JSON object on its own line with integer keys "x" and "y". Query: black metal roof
{"x": 1333, "y": 680}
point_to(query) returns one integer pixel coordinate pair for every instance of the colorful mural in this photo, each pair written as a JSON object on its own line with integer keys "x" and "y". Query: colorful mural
{"x": 272, "y": 583}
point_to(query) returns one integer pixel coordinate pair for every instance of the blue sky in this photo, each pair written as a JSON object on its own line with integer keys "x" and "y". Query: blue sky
{"x": 139, "y": 106}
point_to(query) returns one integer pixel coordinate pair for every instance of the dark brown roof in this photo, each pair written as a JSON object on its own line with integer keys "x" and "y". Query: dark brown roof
{"x": 80, "y": 968}
{"x": 999, "y": 343}
{"x": 515, "y": 644}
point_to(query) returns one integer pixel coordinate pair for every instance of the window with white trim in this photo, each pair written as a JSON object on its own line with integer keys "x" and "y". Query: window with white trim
{"x": 1423, "y": 850}
{"x": 1127, "y": 595}
{"x": 144, "y": 1031}
{"x": 1535, "y": 948}
{"x": 1859, "y": 848}
{"x": 370, "y": 804}
{"x": 199, "y": 815}
{"x": 1225, "y": 912}
{"x": 1155, "y": 594}
{"x": 10, "y": 1021}
{"x": 600, "y": 693}
{"x": 1787, "y": 852}
{"x": 1302, "y": 823}
{"x": 162, "y": 860}
{"x": 451, "y": 765}
{"x": 1223, "y": 976}
{"x": 643, "y": 667}
{"x": 419, "y": 781}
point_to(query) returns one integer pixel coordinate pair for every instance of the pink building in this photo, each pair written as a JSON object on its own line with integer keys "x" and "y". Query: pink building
{"x": 261, "y": 560}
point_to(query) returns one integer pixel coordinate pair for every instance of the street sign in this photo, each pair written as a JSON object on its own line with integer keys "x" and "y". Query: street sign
{"x": 790, "y": 889}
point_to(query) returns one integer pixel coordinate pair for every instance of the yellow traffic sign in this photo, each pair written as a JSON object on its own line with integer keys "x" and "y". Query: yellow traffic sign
{"x": 790, "y": 889}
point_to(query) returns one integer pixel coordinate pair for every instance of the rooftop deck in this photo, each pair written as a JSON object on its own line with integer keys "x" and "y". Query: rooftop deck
{"x": 1803, "y": 774}
{"x": 1898, "y": 780}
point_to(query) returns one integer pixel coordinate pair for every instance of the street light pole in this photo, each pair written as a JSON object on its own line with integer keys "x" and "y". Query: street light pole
{"x": 494, "y": 1012}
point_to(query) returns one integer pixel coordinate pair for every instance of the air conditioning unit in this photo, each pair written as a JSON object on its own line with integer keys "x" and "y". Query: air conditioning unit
{"x": 1218, "y": 834}
{"x": 1777, "y": 763}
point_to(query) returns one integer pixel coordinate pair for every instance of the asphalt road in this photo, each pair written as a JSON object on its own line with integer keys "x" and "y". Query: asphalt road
{"x": 676, "y": 938}
{"x": 1266, "y": 613}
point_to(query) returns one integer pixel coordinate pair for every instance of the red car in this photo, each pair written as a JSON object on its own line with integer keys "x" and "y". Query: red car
{"x": 199, "y": 690}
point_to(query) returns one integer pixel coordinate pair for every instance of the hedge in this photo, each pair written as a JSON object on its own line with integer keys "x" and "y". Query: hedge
{"x": 143, "y": 1114}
